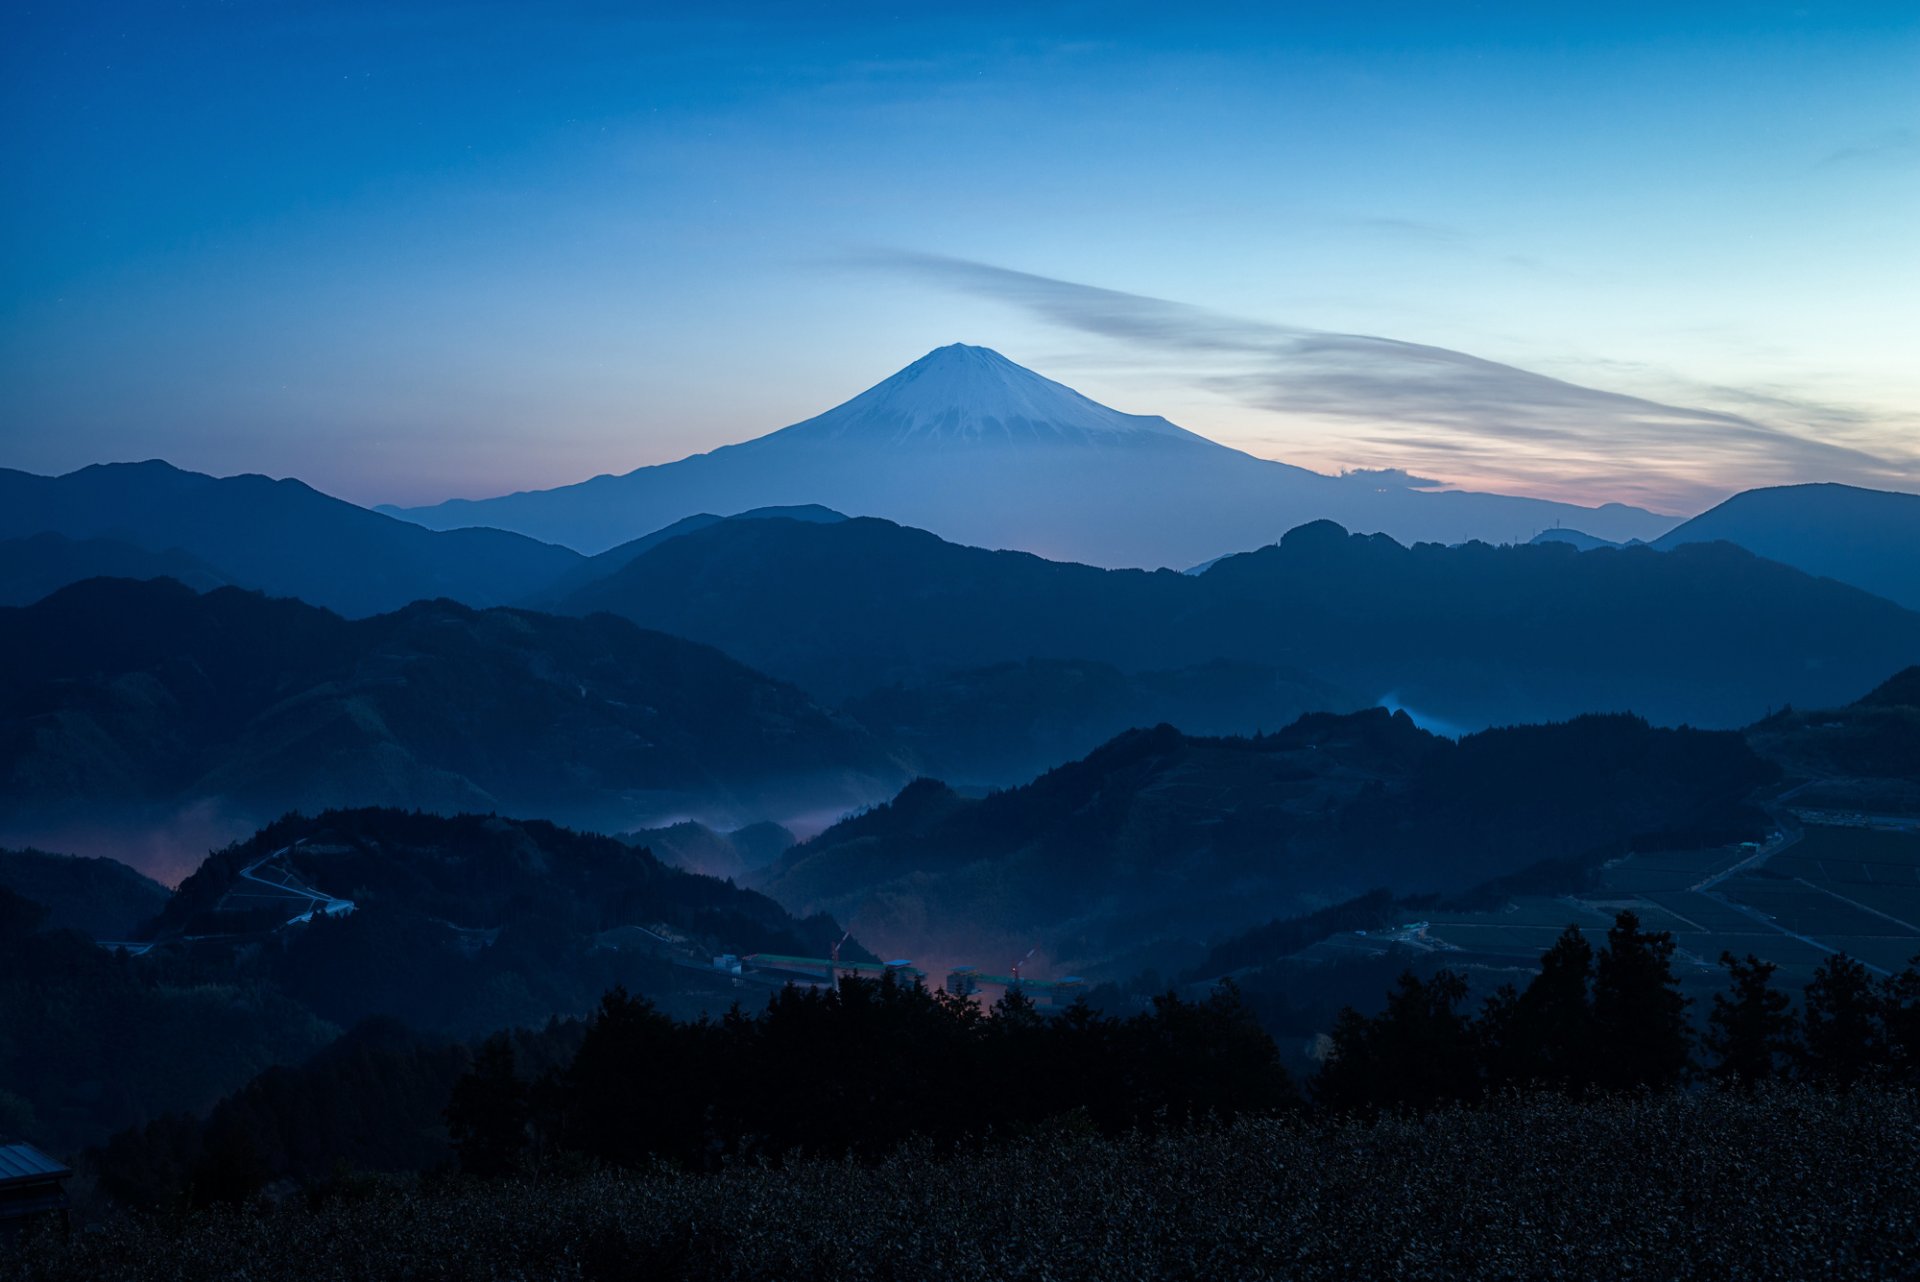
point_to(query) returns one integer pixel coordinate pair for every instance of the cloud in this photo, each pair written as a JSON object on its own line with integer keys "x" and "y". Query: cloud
{"x": 1391, "y": 478}
{"x": 1389, "y": 403}
{"x": 1895, "y": 144}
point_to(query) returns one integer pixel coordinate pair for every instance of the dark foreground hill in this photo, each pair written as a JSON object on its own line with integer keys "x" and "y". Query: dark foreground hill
{"x": 281, "y": 537}
{"x": 100, "y": 898}
{"x": 39, "y": 564}
{"x": 1469, "y": 635}
{"x": 1685, "y": 1187}
{"x": 1868, "y": 538}
{"x": 1158, "y": 840}
{"x": 455, "y": 926}
{"x": 138, "y": 699}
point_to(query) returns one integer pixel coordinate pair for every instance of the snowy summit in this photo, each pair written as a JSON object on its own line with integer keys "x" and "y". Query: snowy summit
{"x": 963, "y": 395}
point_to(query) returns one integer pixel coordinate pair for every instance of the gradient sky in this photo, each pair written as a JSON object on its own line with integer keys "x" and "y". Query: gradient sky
{"x": 1654, "y": 253}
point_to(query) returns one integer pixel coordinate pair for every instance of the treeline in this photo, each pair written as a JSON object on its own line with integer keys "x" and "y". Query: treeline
{"x": 858, "y": 1070}
{"x": 1614, "y": 1020}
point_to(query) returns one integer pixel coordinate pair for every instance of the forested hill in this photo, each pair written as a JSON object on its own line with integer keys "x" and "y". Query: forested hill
{"x": 1472, "y": 635}
{"x": 1158, "y": 840}
{"x": 121, "y": 697}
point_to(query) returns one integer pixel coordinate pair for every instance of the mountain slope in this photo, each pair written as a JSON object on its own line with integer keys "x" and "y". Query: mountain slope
{"x": 280, "y": 537}
{"x": 1868, "y": 538}
{"x": 1471, "y": 635}
{"x": 968, "y": 444}
{"x": 1158, "y": 840}
{"x": 33, "y": 566}
{"x": 1007, "y": 722}
{"x": 100, "y": 898}
{"x": 594, "y": 568}
{"x": 260, "y": 706}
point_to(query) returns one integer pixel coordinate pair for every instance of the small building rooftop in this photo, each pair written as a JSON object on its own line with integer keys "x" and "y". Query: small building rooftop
{"x": 23, "y": 1163}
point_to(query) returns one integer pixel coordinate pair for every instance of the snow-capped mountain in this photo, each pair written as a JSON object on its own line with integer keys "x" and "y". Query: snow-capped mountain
{"x": 977, "y": 449}
{"x": 973, "y": 396}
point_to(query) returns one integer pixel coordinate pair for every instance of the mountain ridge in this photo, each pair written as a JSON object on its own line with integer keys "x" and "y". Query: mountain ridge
{"x": 1020, "y": 473}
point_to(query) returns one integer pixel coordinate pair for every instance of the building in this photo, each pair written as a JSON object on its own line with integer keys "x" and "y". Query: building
{"x": 32, "y": 1192}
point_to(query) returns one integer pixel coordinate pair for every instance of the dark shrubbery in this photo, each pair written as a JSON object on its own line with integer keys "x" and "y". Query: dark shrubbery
{"x": 1787, "y": 1184}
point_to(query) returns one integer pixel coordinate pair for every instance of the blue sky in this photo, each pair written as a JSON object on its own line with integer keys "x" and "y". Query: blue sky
{"x": 1651, "y": 253}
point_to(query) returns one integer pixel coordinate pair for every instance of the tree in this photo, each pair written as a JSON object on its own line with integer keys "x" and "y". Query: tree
{"x": 1639, "y": 1016}
{"x": 1418, "y": 1052}
{"x": 489, "y": 1112}
{"x": 1544, "y": 1035}
{"x": 1751, "y": 1031}
{"x": 1843, "y": 1035}
{"x": 1900, "y": 1024}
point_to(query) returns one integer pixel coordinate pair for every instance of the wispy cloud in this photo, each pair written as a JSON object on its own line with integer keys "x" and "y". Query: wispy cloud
{"x": 1414, "y": 405}
{"x": 1895, "y": 144}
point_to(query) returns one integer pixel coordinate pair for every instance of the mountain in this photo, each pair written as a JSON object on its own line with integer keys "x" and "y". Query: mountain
{"x": 254, "y": 706}
{"x": 1584, "y": 542}
{"x": 1868, "y": 538}
{"x": 1159, "y": 840}
{"x": 594, "y": 568}
{"x": 966, "y": 443}
{"x": 100, "y": 898}
{"x": 1467, "y": 636}
{"x": 698, "y": 848}
{"x": 33, "y": 566}
{"x": 468, "y": 923}
{"x": 1863, "y": 756}
{"x": 1007, "y": 722}
{"x": 280, "y": 537}
{"x": 458, "y": 925}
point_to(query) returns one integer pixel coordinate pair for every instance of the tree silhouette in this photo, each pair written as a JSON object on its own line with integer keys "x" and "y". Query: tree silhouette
{"x": 1842, "y": 1024}
{"x": 1419, "y": 1051}
{"x": 1544, "y": 1034}
{"x": 1900, "y": 1024}
{"x": 1751, "y": 1031}
{"x": 490, "y": 1111}
{"x": 1640, "y": 1018}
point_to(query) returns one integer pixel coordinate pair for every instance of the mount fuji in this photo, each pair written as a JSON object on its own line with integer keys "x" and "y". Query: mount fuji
{"x": 969, "y": 445}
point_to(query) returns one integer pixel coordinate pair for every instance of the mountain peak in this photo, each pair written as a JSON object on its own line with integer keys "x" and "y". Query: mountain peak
{"x": 961, "y": 395}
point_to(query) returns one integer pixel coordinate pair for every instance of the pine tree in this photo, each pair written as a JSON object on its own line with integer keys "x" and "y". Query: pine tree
{"x": 1640, "y": 1018}
{"x": 1418, "y": 1052}
{"x": 488, "y": 1115}
{"x": 1843, "y": 1037}
{"x": 1751, "y": 1031}
{"x": 1544, "y": 1035}
{"x": 1900, "y": 1024}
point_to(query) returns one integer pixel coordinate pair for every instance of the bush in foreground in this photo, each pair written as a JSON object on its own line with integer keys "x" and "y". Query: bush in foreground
{"x": 1786, "y": 1183}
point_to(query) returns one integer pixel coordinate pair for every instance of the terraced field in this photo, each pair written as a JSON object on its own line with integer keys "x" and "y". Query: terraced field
{"x": 1813, "y": 890}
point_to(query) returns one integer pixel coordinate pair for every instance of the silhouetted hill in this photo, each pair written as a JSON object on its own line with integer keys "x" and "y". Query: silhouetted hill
{"x": 1863, "y": 756}
{"x": 1158, "y": 840}
{"x": 1469, "y": 635}
{"x": 844, "y": 607}
{"x": 129, "y": 697}
{"x": 1901, "y": 690}
{"x": 457, "y": 926}
{"x": 1868, "y": 538}
{"x": 698, "y": 848}
{"x": 593, "y": 568}
{"x": 1010, "y": 721}
{"x": 32, "y": 567}
{"x": 100, "y": 898}
{"x": 281, "y": 537}
{"x": 1585, "y": 542}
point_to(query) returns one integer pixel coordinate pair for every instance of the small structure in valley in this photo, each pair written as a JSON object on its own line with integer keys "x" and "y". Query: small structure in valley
{"x": 32, "y": 1191}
